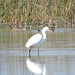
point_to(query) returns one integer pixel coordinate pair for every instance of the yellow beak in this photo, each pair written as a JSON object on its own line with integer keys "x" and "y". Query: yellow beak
{"x": 51, "y": 31}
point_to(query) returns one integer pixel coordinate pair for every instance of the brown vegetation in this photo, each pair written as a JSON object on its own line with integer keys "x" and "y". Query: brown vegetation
{"x": 23, "y": 13}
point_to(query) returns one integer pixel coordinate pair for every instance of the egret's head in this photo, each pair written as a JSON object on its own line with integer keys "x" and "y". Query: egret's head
{"x": 51, "y": 29}
{"x": 47, "y": 29}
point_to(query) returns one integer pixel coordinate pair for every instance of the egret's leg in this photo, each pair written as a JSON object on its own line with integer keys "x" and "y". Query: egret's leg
{"x": 38, "y": 52}
{"x": 30, "y": 51}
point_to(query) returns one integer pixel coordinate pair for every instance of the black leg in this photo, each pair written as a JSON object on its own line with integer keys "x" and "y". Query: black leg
{"x": 38, "y": 52}
{"x": 30, "y": 51}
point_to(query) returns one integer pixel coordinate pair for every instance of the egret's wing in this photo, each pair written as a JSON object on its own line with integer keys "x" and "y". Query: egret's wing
{"x": 34, "y": 40}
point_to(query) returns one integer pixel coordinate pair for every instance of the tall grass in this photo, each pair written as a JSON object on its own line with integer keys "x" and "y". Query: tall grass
{"x": 22, "y": 13}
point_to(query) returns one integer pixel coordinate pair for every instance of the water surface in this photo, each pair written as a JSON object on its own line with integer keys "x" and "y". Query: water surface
{"x": 57, "y": 54}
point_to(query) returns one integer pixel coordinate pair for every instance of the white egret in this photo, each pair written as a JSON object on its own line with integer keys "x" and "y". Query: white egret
{"x": 38, "y": 39}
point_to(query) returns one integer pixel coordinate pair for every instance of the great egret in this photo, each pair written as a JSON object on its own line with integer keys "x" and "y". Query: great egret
{"x": 38, "y": 39}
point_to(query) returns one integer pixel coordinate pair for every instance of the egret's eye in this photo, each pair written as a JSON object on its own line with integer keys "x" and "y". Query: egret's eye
{"x": 52, "y": 28}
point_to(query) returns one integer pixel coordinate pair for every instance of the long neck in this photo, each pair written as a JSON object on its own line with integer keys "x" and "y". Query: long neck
{"x": 44, "y": 35}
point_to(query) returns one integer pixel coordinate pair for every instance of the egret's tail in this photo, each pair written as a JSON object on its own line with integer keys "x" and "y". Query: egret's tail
{"x": 27, "y": 45}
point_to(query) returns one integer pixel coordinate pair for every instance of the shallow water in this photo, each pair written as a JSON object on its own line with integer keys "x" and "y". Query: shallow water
{"x": 57, "y": 54}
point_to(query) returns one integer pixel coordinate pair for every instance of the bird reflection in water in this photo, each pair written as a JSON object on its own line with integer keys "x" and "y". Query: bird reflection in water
{"x": 36, "y": 67}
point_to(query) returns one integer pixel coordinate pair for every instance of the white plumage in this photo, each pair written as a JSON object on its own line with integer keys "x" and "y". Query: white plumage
{"x": 34, "y": 40}
{"x": 37, "y": 39}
